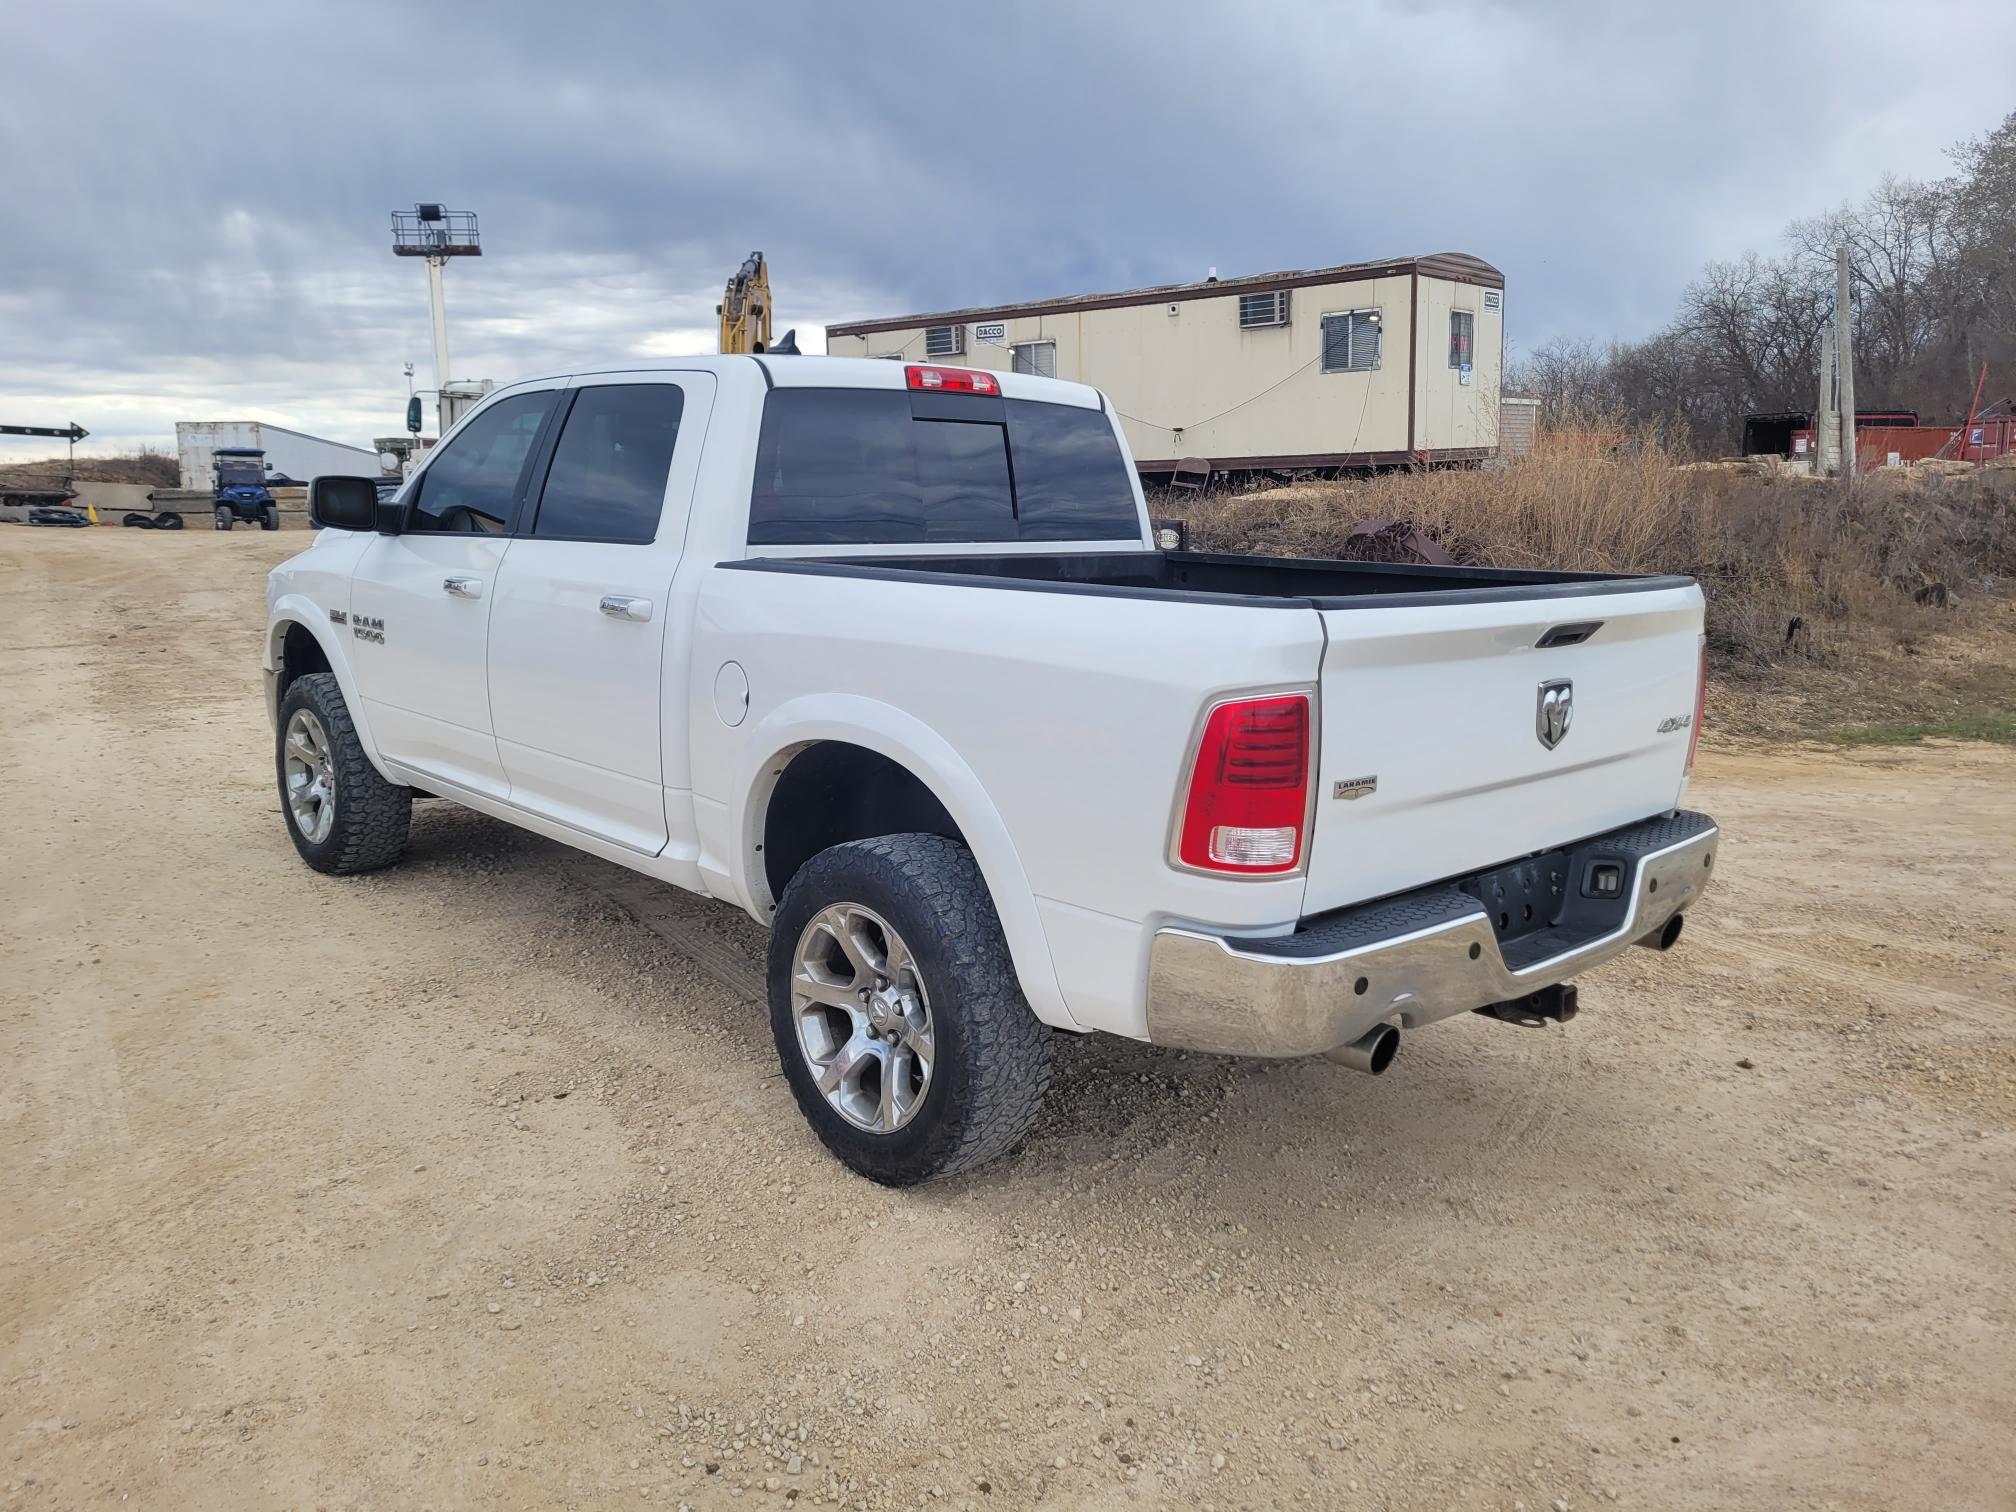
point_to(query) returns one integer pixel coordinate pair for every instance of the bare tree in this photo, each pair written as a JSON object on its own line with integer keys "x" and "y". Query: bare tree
{"x": 1933, "y": 267}
{"x": 1569, "y": 377}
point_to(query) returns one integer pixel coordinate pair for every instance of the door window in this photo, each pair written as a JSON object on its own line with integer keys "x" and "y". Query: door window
{"x": 607, "y": 481}
{"x": 472, "y": 486}
{"x": 1462, "y": 331}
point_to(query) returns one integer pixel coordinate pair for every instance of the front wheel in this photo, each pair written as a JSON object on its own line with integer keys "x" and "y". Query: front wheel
{"x": 223, "y": 517}
{"x": 895, "y": 1009}
{"x": 342, "y": 816}
{"x": 269, "y": 517}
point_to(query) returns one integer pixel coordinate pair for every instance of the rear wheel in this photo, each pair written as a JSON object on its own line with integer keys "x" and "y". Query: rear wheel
{"x": 342, "y": 815}
{"x": 896, "y": 1013}
{"x": 223, "y": 517}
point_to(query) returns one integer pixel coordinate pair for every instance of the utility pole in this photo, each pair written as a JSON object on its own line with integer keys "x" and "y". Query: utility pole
{"x": 1844, "y": 347}
{"x": 1826, "y": 419}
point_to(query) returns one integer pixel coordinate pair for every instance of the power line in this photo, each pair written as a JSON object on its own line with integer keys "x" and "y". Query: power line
{"x": 1198, "y": 424}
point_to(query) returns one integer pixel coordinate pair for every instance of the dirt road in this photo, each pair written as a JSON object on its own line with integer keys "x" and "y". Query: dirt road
{"x": 460, "y": 1184}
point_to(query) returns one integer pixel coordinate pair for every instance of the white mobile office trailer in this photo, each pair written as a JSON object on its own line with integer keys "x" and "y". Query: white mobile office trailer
{"x": 1377, "y": 364}
{"x": 289, "y": 453}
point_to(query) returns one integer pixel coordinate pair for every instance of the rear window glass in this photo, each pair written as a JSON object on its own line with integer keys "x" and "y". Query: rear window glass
{"x": 860, "y": 466}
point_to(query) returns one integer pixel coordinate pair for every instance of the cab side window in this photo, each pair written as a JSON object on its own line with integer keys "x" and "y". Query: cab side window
{"x": 607, "y": 479}
{"x": 472, "y": 487}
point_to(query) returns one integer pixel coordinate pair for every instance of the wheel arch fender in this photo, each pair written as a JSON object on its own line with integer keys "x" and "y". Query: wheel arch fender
{"x": 927, "y": 756}
{"x": 295, "y": 611}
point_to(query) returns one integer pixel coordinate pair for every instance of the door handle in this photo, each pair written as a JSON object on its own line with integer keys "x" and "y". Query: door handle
{"x": 463, "y": 587}
{"x": 622, "y": 606}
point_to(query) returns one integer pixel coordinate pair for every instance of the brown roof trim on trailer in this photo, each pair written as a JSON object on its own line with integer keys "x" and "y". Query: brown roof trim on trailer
{"x": 1456, "y": 267}
{"x": 1327, "y": 459}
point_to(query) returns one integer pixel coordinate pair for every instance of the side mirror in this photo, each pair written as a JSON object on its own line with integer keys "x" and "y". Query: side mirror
{"x": 341, "y": 503}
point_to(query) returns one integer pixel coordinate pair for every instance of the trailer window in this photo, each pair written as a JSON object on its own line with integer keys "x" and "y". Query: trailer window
{"x": 861, "y": 466}
{"x": 1037, "y": 357}
{"x": 1462, "y": 332}
{"x": 1351, "y": 341}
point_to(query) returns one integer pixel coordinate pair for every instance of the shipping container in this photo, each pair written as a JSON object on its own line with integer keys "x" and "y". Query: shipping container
{"x": 290, "y": 454}
{"x": 1876, "y": 445}
{"x": 1988, "y": 438}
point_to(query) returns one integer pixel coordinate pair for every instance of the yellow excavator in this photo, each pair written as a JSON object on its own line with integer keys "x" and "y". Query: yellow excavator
{"x": 745, "y": 312}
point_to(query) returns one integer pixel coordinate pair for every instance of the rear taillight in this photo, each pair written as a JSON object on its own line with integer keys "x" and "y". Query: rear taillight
{"x": 1700, "y": 706}
{"x": 946, "y": 380}
{"x": 1249, "y": 787}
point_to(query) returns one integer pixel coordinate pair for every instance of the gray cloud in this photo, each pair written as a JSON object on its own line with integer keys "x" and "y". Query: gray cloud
{"x": 193, "y": 221}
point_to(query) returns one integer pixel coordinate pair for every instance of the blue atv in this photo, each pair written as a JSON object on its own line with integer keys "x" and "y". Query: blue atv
{"x": 239, "y": 491}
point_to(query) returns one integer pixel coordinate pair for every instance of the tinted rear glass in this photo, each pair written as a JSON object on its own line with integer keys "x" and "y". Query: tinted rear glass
{"x": 1071, "y": 483}
{"x": 858, "y": 466}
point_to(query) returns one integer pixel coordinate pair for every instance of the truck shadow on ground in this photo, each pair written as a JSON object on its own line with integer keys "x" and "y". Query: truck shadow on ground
{"x": 1116, "y": 1097}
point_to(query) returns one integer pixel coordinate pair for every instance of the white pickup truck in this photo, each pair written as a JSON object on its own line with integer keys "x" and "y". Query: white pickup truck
{"x": 887, "y": 656}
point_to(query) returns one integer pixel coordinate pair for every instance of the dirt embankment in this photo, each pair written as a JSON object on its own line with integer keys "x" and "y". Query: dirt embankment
{"x": 457, "y": 1185}
{"x": 155, "y": 469}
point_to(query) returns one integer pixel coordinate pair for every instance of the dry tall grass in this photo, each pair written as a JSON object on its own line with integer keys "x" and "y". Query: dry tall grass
{"x": 1792, "y": 568}
{"x": 149, "y": 465}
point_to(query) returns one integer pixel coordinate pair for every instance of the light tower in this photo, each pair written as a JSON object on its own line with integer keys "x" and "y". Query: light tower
{"x": 437, "y": 234}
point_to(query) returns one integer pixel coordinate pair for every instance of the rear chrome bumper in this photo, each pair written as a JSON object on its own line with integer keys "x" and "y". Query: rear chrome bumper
{"x": 1417, "y": 957}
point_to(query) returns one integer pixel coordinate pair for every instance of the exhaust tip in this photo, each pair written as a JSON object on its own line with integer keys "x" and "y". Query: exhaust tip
{"x": 1667, "y": 936}
{"x": 1372, "y": 1052}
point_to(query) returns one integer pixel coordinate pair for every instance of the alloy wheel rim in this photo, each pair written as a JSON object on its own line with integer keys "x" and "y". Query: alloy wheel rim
{"x": 863, "y": 1017}
{"x": 309, "y": 773}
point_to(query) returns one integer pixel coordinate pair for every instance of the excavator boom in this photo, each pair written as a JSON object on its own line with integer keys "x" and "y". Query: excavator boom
{"x": 745, "y": 308}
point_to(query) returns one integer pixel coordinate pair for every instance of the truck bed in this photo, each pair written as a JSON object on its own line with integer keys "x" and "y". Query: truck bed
{"x": 1205, "y": 577}
{"x": 1432, "y": 683}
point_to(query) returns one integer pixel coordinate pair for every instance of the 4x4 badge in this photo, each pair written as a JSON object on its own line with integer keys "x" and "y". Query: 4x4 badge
{"x": 1556, "y": 711}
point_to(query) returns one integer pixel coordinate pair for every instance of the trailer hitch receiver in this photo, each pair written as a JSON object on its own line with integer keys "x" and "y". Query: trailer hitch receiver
{"x": 1536, "y": 1008}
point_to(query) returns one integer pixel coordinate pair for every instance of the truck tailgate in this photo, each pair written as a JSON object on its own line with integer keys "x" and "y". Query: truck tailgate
{"x": 1440, "y": 707}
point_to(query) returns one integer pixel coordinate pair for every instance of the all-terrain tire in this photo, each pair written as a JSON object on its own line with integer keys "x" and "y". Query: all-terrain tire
{"x": 269, "y": 517}
{"x": 372, "y": 814}
{"x": 992, "y": 1060}
{"x": 223, "y": 517}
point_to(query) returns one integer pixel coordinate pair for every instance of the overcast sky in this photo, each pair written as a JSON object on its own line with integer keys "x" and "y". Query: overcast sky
{"x": 194, "y": 208}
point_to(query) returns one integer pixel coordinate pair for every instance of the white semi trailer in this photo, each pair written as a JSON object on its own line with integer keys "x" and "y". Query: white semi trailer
{"x": 289, "y": 453}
